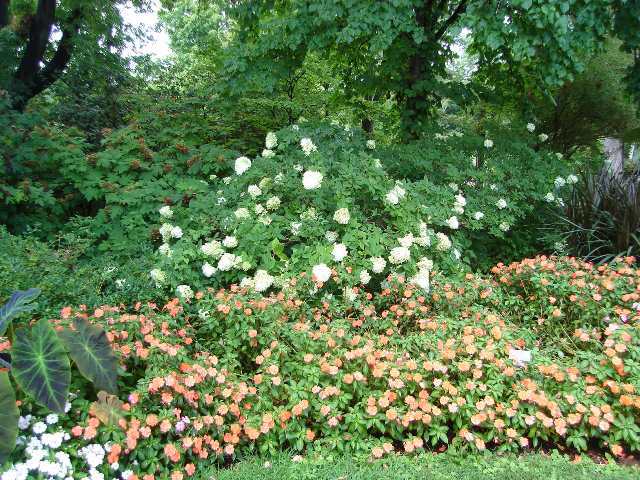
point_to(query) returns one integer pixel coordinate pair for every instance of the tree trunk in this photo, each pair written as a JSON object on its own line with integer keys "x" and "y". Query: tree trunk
{"x": 4, "y": 13}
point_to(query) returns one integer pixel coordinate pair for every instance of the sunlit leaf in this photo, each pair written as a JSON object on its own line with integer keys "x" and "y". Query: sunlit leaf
{"x": 108, "y": 408}
{"x": 19, "y": 302}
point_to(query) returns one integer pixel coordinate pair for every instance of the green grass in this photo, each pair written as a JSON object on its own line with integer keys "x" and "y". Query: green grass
{"x": 427, "y": 467}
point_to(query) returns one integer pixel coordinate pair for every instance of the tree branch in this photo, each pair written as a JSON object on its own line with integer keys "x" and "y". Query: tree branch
{"x": 4, "y": 13}
{"x": 459, "y": 10}
{"x": 38, "y": 40}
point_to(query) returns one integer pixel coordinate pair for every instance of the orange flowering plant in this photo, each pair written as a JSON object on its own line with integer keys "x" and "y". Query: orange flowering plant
{"x": 398, "y": 370}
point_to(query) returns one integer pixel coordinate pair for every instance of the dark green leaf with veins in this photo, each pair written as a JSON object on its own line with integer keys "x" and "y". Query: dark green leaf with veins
{"x": 8, "y": 417}
{"x": 19, "y": 302}
{"x": 90, "y": 349}
{"x": 41, "y": 366}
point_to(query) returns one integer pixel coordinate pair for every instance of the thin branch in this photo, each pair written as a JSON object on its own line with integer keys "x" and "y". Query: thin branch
{"x": 460, "y": 9}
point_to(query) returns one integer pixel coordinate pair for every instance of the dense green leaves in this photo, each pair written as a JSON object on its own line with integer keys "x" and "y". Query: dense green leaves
{"x": 8, "y": 417}
{"x": 41, "y": 366}
{"x": 89, "y": 348}
{"x": 20, "y": 302}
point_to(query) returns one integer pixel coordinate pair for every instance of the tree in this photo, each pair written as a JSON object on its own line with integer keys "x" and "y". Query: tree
{"x": 38, "y": 44}
{"x": 403, "y": 47}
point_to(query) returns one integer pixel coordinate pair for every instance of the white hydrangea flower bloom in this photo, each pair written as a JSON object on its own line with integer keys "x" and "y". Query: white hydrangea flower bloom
{"x": 230, "y": 241}
{"x": 278, "y": 178}
{"x": 176, "y": 232}
{"x": 543, "y": 137}
{"x": 254, "y": 191}
{"x": 365, "y": 277}
{"x": 549, "y": 197}
{"x": 425, "y": 264}
{"x": 478, "y": 215}
{"x": 165, "y": 249}
{"x": 226, "y": 180}
{"x": 396, "y": 194}
{"x": 273, "y": 203}
{"x": 378, "y": 264}
{"x": 295, "y": 228}
{"x": 312, "y": 180}
{"x": 453, "y": 223}
{"x": 444, "y": 243}
{"x": 399, "y": 255}
{"x": 572, "y": 179}
{"x": 407, "y": 240}
{"x": 158, "y": 276}
{"x": 166, "y": 211}
{"x": 266, "y": 153}
{"x": 559, "y": 182}
{"x": 531, "y": 127}
{"x": 165, "y": 231}
{"x": 339, "y": 252}
{"x": 208, "y": 270}
{"x": 488, "y": 143}
{"x": 241, "y": 165}
{"x": 242, "y": 213}
{"x": 331, "y": 236}
{"x": 271, "y": 141}
{"x": 298, "y": 167}
{"x": 228, "y": 261}
{"x": 307, "y": 146}
{"x": 185, "y": 292}
{"x": 262, "y": 281}
{"x": 212, "y": 249}
{"x": 342, "y": 216}
{"x": 460, "y": 200}
{"x": 421, "y": 280}
{"x": 321, "y": 272}
{"x": 502, "y": 203}
{"x": 504, "y": 226}
{"x": 371, "y": 144}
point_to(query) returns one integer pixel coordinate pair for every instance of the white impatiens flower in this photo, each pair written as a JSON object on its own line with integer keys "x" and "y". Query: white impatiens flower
{"x": 504, "y": 226}
{"x": 312, "y": 180}
{"x": 371, "y": 144}
{"x": 407, "y": 240}
{"x": 176, "y": 232}
{"x": 307, "y": 146}
{"x": 242, "y": 213}
{"x": 365, "y": 277}
{"x": 549, "y": 197}
{"x": 273, "y": 203}
{"x": 212, "y": 249}
{"x": 241, "y": 165}
{"x": 572, "y": 179}
{"x": 158, "y": 276}
{"x": 453, "y": 223}
{"x": 478, "y": 215}
{"x": 378, "y": 264}
{"x": 266, "y": 153}
{"x": 166, "y": 211}
{"x": 185, "y": 292}
{"x": 230, "y": 242}
{"x": 39, "y": 428}
{"x": 444, "y": 243}
{"x": 339, "y": 252}
{"x": 254, "y": 191}
{"x": 321, "y": 273}
{"x": 51, "y": 419}
{"x": 228, "y": 261}
{"x": 208, "y": 270}
{"x": 399, "y": 255}
{"x": 559, "y": 182}
{"x": 502, "y": 203}
{"x": 262, "y": 280}
{"x": 271, "y": 141}
{"x": 342, "y": 216}
{"x": 531, "y": 127}
{"x": 488, "y": 143}
{"x": 331, "y": 236}
{"x": 543, "y": 137}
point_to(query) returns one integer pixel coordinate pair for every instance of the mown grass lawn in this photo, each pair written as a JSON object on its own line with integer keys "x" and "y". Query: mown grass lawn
{"x": 429, "y": 467}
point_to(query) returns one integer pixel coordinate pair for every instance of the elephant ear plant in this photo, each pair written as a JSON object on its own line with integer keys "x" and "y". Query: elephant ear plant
{"x": 39, "y": 362}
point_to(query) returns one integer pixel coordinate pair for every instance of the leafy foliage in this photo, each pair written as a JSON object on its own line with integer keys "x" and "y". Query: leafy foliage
{"x": 8, "y": 417}
{"x": 40, "y": 365}
{"x": 19, "y": 302}
{"x": 91, "y": 352}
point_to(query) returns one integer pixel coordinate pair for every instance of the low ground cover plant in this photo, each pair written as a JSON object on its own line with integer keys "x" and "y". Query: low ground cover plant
{"x": 232, "y": 372}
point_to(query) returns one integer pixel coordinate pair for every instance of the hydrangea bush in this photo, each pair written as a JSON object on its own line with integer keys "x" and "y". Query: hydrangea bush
{"x": 318, "y": 199}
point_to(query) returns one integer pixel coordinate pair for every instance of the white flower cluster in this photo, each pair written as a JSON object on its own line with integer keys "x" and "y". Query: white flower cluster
{"x": 312, "y": 180}
{"x": 342, "y": 216}
{"x": 396, "y": 194}
{"x": 271, "y": 141}
{"x": 166, "y": 211}
{"x": 42, "y": 458}
{"x": 241, "y": 165}
{"x": 185, "y": 292}
{"x": 307, "y": 146}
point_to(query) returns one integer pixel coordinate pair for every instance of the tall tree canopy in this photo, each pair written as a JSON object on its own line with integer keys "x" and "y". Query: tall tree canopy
{"x": 39, "y": 39}
{"x": 402, "y": 47}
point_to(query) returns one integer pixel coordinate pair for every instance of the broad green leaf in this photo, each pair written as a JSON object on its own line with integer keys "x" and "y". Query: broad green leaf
{"x": 41, "y": 366}
{"x": 8, "y": 417}
{"x": 19, "y": 302}
{"x": 108, "y": 408}
{"x": 92, "y": 353}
